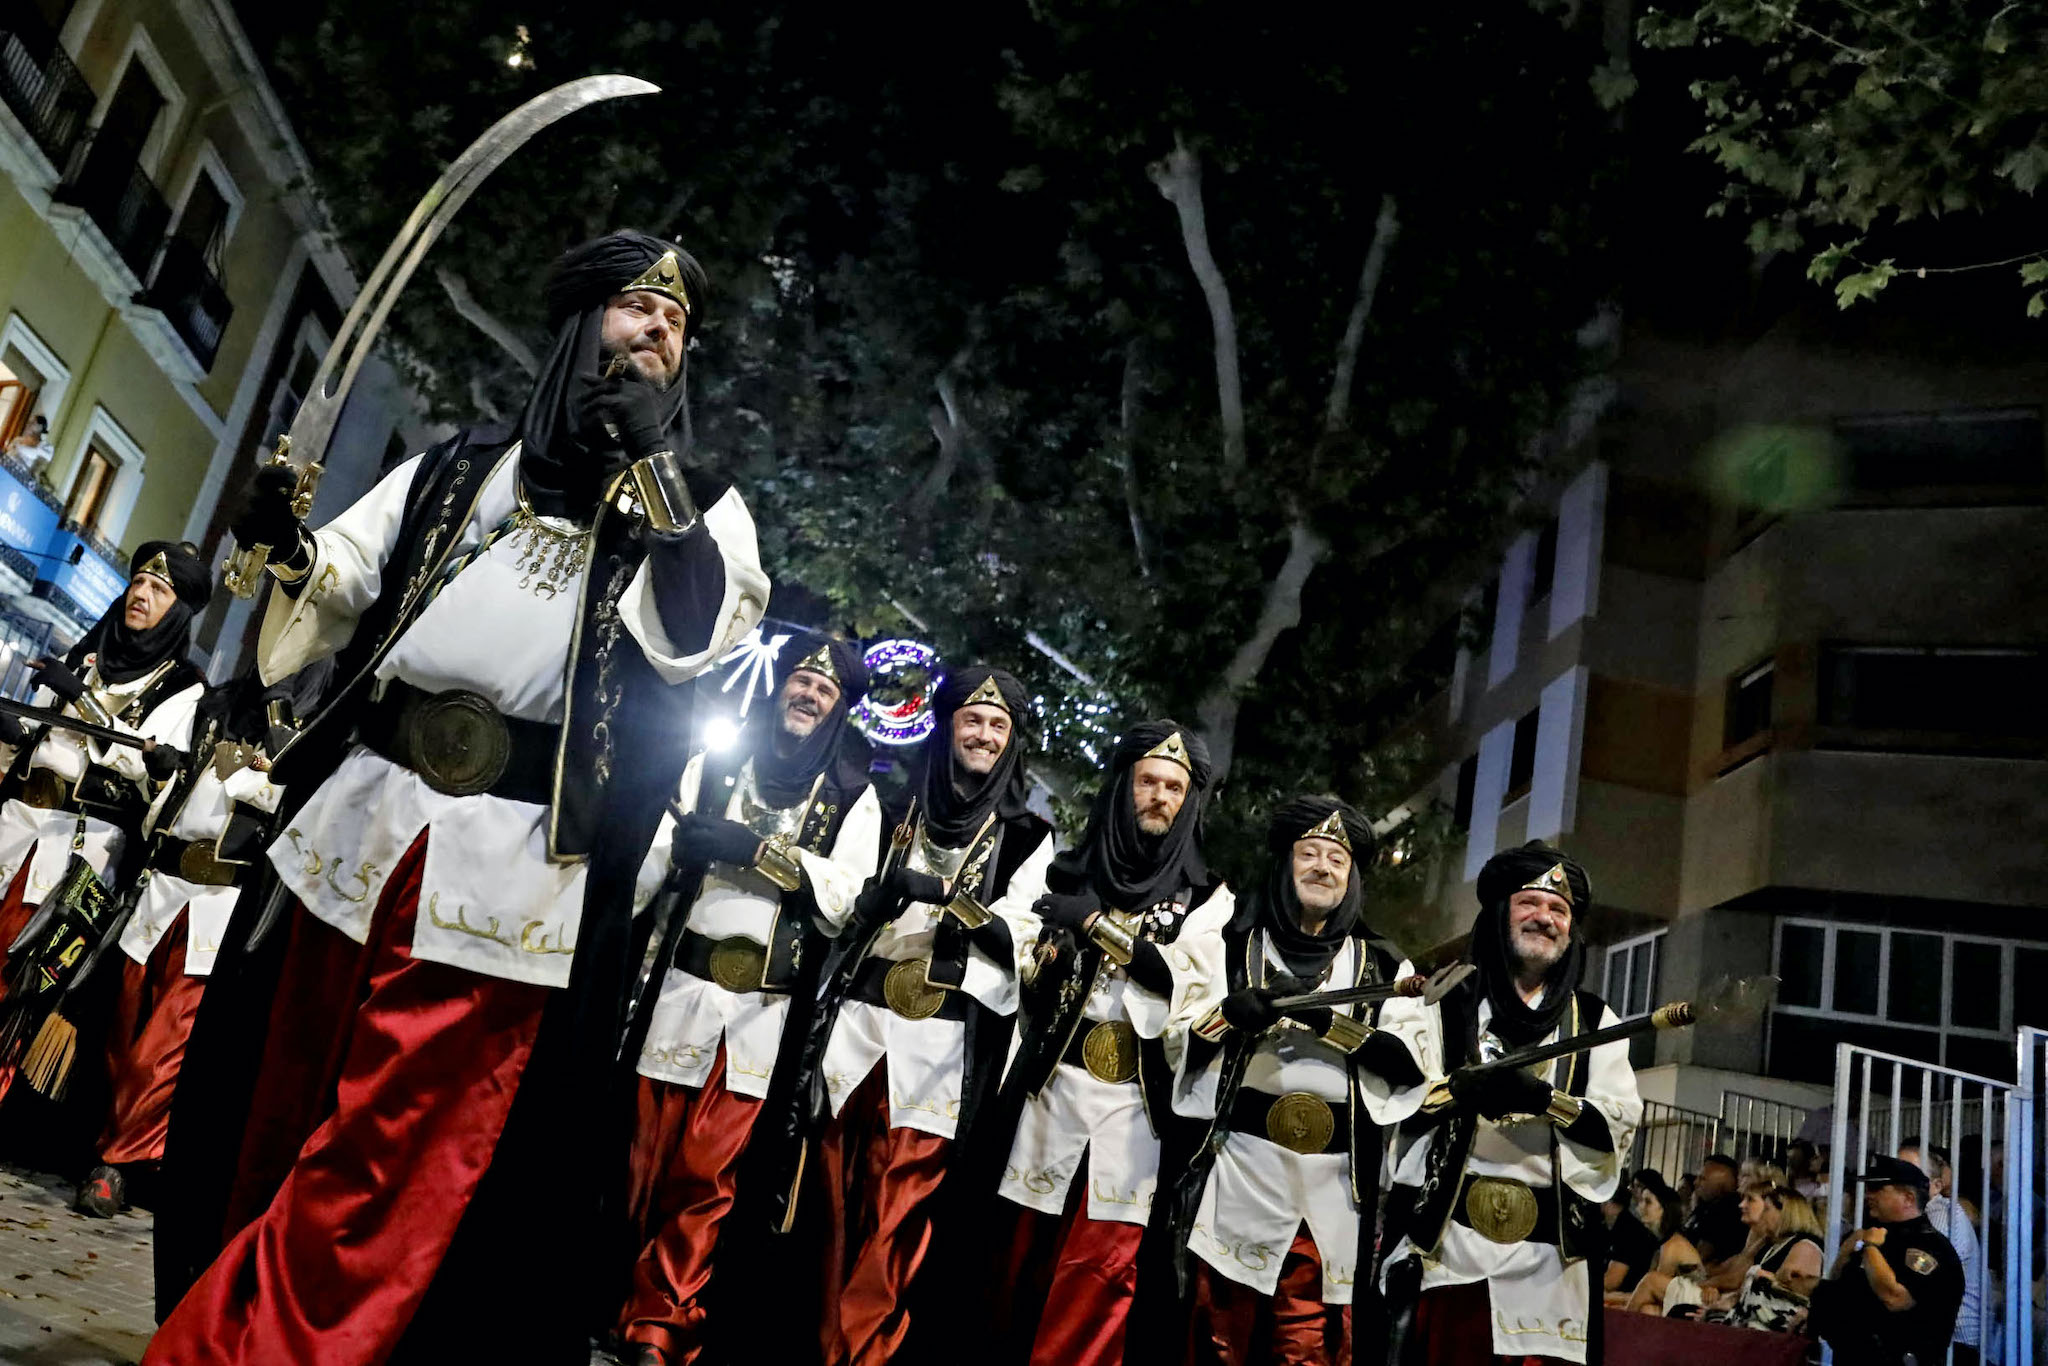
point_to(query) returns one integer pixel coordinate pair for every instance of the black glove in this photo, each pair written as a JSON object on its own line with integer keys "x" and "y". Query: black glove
{"x": 1251, "y": 1009}
{"x": 911, "y": 885}
{"x": 874, "y": 907}
{"x": 632, "y": 407}
{"x": 1148, "y": 969}
{"x": 1494, "y": 1092}
{"x": 701, "y": 838}
{"x": 56, "y": 675}
{"x": 12, "y": 732}
{"x": 266, "y": 517}
{"x": 162, "y": 761}
{"x": 1064, "y": 908}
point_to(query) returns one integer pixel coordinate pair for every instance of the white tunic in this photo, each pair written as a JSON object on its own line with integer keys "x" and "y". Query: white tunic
{"x": 692, "y": 1016}
{"x": 928, "y": 1058}
{"x": 50, "y": 833}
{"x": 1076, "y": 1114}
{"x": 491, "y": 899}
{"x": 202, "y": 818}
{"x": 1260, "y": 1193}
{"x": 1539, "y": 1299}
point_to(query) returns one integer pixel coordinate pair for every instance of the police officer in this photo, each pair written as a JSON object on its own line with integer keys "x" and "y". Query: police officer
{"x": 1893, "y": 1295}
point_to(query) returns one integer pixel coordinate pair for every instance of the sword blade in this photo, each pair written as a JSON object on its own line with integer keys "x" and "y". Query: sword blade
{"x": 313, "y": 426}
{"x": 57, "y": 720}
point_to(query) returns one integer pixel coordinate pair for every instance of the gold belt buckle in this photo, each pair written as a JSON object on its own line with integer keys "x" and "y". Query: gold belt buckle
{"x": 739, "y": 964}
{"x": 198, "y": 864}
{"x": 1500, "y": 1209}
{"x": 1110, "y": 1052}
{"x": 1301, "y": 1122}
{"x": 909, "y": 991}
{"x": 43, "y": 789}
{"x": 458, "y": 742}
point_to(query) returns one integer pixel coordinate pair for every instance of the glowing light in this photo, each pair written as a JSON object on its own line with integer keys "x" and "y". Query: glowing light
{"x": 903, "y": 677}
{"x": 753, "y": 661}
{"x": 721, "y": 733}
{"x": 517, "y": 57}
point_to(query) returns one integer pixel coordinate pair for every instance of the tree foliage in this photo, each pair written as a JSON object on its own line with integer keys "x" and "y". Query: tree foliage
{"x": 959, "y": 355}
{"x": 1843, "y": 125}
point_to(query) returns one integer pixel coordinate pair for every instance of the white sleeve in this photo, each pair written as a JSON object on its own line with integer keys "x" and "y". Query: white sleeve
{"x": 1419, "y": 1027}
{"x": 1610, "y": 1089}
{"x": 168, "y": 723}
{"x": 346, "y": 577}
{"x": 837, "y": 879}
{"x": 744, "y": 600}
{"x": 1195, "y": 960}
{"x": 251, "y": 787}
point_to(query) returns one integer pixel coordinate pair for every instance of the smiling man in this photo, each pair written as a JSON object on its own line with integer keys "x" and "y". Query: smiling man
{"x": 1494, "y": 1217}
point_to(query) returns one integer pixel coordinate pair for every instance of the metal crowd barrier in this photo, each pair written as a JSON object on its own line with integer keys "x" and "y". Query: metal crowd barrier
{"x": 1882, "y": 1101}
{"x": 1674, "y": 1141}
{"x": 1754, "y": 1126}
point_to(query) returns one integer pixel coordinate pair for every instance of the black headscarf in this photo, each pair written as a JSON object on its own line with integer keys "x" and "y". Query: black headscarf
{"x": 125, "y": 655}
{"x": 1506, "y": 873}
{"x": 1273, "y": 905}
{"x": 559, "y": 460}
{"x": 1129, "y": 869}
{"x": 953, "y": 816}
{"x": 785, "y": 779}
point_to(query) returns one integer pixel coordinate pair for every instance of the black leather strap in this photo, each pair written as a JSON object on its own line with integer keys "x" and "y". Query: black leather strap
{"x": 529, "y": 776}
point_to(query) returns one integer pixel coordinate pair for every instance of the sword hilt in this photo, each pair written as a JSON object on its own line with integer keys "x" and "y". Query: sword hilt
{"x": 243, "y": 572}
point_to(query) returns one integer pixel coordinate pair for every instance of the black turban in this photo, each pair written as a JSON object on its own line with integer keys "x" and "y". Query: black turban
{"x": 1273, "y": 904}
{"x": 956, "y": 802}
{"x": 1129, "y": 869}
{"x": 1505, "y": 874}
{"x": 832, "y": 748}
{"x": 562, "y": 464}
{"x": 123, "y": 655}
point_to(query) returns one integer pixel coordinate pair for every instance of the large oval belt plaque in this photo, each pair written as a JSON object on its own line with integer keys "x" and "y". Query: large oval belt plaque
{"x": 1499, "y": 1209}
{"x": 459, "y": 743}
{"x": 739, "y": 964}
{"x": 198, "y": 864}
{"x": 1302, "y": 1122}
{"x": 909, "y": 992}
{"x": 1111, "y": 1052}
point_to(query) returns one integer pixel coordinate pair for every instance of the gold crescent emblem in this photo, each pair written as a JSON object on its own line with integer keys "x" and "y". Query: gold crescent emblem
{"x": 1301, "y": 1122}
{"x": 1110, "y": 1052}
{"x": 1500, "y": 1210}
{"x": 739, "y": 964}
{"x": 909, "y": 992}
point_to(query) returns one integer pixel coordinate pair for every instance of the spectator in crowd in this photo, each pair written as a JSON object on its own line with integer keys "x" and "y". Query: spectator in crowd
{"x": 1715, "y": 1227}
{"x": 1953, "y": 1224}
{"x": 31, "y": 445}
{"x": 1804, "y": 1171}
{"x": 1784, "y": 1265}
{"x": 1631, "y": 1246}
{"x": 1659, "y": 1210}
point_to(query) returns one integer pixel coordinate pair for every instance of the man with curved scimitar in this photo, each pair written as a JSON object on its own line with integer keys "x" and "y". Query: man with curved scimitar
{"x": 1273, "y": 1220}
{"x": 911, "y": 1032}
{"x": 771, "y": 842}
{"x": 1133, "y": 932}
{"x": 1493, "y": 1223}
{"x": 516, "y": 615}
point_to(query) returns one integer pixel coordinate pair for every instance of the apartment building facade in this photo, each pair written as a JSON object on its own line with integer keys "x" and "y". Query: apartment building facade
{"x": 166, "y": 292}
{"x": 1773, "y": 669}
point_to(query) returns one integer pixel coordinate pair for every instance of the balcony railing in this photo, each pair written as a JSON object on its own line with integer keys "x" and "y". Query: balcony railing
{"x": 190, "y": 295}
{"x": 108, "y": 184}
{"x": 42, "y": 87}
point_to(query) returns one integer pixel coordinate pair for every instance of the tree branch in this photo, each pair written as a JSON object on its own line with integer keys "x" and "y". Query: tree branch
{"x": 1179, "y": 178}
{"x": 951, "y": 433}
{"x": 1337, "y": 413}
{"x": 1217, "y": 711}
{"x": 482, "y": 319}
{"x": 1127, "y": 451}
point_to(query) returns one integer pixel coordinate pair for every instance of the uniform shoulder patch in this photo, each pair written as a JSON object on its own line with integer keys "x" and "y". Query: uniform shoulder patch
{"x": 1920, "y": 1261}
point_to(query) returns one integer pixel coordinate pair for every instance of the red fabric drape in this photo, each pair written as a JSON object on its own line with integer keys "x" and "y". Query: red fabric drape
{"x": 686, "y": 1151}
{"x": 1688, "y": 1342}
{"x": 1237, "y": 1326}
{"x": 14, "y": 914}
{"x": 1065, "y": 1293}
{"x": 152, "y": 1022}
{"x": 333, "y": 1270}
{"x": 879, "y": 1184}
{"x": 1454, "y": 1324}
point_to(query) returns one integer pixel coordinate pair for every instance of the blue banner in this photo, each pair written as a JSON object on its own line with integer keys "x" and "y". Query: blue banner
{"x": 26, "y": 521}
{"x": 92, "y": 583}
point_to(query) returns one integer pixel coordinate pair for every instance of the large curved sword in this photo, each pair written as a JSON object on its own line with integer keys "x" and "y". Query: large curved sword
{"x": 312, "y": 427}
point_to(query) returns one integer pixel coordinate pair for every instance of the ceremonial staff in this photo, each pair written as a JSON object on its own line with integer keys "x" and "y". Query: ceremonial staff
{"x": 1431, "y": 989}
{"x": 57, "y": 720}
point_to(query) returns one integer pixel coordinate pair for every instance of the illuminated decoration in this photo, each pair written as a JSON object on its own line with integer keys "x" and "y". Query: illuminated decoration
{"x": 721, "y": 733}
{"x": 903, "y": 676}
{"x": 753, "y": 661}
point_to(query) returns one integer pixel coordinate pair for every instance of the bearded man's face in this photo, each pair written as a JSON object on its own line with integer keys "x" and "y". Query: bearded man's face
{"x": 1539, "y": 929}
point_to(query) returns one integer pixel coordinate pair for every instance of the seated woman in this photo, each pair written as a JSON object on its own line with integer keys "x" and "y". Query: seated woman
{"x": 1631, "y": 1248}
{"x": 1660, "y": 1211}
{"x": 1786, "y": 1266}
{"x": 1727, "y": 1277}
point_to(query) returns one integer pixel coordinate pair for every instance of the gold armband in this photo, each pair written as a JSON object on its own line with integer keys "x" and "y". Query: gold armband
{"x": 664, "y": 492}
{"x": 1345, "y": 1033}
{"x": 968, "y": 911}
{"x": 1212, "y": 1026}
{"x": 1564, "y": 1108}
{"x": 282, "y": 571}
{"x": 776, "y": 863}
{"x": 1114, "y": 938}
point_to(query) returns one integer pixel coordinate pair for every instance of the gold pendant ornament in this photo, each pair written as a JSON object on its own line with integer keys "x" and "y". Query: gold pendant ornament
{"x": 1301, "y": 1122}
{"x": 909, "y": 991}
{"x": 1110, "y": 1052}
{"x": 1500, "y": 1210}
{"x": 550, "y": 559}
{"x": 738, "y": 964}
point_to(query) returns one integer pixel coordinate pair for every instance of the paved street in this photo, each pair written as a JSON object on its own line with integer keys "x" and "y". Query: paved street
{"x": 73, "y": 1291}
